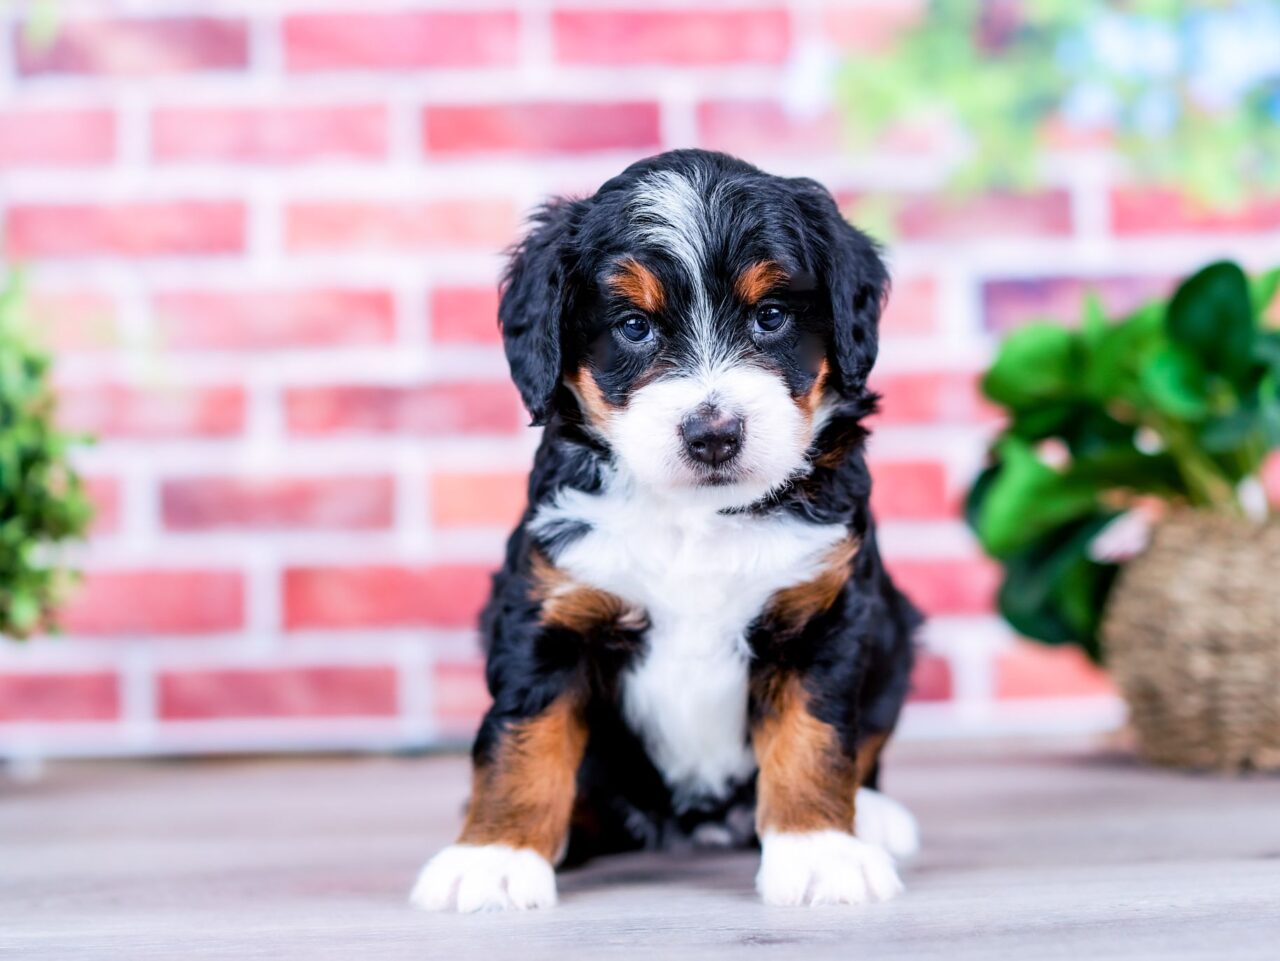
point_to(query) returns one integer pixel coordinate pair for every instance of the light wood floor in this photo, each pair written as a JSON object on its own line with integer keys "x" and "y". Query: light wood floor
{"x": 1046, "y": 851}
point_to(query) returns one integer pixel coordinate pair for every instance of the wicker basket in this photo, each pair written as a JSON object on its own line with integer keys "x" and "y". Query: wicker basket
{"x": 1192, "y": 637}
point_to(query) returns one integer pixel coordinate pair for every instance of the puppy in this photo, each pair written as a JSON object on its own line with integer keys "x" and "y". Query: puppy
{"x": 692, "y": 639}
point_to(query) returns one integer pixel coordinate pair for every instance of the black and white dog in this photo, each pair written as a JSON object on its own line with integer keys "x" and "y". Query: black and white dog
{"x": 693, "y": 638}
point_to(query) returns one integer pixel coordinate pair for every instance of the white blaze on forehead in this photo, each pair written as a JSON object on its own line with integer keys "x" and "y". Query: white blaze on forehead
{"x": 672, "y": 213}
{"x": 669, "y": 211}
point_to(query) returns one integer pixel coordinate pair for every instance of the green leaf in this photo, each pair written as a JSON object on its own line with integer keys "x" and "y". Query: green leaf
{"x": 1053, "y": 591}
{"x": 1266, "y": 348}
{"x": 1027, "y": 498}
{"x": 1230, "y": 432}
{"x": 1037, "y": 363}
{"x": 1124, "y": 467}
{"x": 1262, "y": 290}
{"x": 1176, "y": 383}
{"x": 1115, "y": 360}
{"x": 1211, "y": 315}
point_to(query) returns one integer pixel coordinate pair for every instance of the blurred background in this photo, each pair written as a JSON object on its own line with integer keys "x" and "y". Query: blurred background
{"x": 261, "y": 240}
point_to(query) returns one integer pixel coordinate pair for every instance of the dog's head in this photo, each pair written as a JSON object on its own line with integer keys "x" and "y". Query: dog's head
{"x": 699, "y": 316}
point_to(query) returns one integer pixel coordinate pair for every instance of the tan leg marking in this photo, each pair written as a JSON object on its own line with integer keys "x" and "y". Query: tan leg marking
{"x": 806, "y": 781}
{"x": 524, "y": 795}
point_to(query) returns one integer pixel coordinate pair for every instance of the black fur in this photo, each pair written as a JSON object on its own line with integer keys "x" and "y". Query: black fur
{"x": 557, "y": 317}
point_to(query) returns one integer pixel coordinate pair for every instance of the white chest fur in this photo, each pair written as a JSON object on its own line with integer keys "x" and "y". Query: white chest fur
{"x": 702, "y": 577}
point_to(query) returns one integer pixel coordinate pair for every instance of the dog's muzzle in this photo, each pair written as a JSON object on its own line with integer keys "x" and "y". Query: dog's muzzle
{"x": 712, "y": 436}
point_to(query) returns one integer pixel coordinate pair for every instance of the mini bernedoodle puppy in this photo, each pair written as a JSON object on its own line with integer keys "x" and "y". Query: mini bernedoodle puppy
{"x": 692, "y": 639}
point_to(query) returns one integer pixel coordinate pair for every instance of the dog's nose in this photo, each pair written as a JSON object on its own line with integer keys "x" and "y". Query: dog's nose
{"x": 712, "y": 437}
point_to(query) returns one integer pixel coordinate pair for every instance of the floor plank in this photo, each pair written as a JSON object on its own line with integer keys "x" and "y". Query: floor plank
{"x": 1050, "y": 850}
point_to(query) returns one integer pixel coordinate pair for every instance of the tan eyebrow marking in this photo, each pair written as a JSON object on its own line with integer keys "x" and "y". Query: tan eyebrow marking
{"x": 639, "y": 285}
{"x": 758, "y": 279}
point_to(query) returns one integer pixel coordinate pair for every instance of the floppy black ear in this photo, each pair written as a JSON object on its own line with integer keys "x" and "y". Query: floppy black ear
{"x": 856, "y": 280}
{"x": 535, "y": 294}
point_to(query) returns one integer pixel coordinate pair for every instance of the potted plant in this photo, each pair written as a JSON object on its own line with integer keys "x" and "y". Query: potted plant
{"x": 42, "y": 501}
{"x": 1167, "y": 414}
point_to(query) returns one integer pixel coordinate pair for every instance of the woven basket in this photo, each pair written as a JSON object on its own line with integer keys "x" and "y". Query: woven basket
{"x": 1192, "y": 637}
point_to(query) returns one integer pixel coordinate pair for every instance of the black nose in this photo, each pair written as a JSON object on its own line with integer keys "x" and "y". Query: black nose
{"x": 712, "y": 437}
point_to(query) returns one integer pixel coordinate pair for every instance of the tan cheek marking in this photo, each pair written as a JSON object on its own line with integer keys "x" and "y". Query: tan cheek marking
{"x": 638, "y": 284}
{"x": 807, "y": 782}
{"x": 758, "y": 279}
{"x": 793, "y": 607}
{"x": 578, "y": 607}
{"x": 594, "y": 406}
{"x": 523, "y": 796}
{"x": 809, "y": 401}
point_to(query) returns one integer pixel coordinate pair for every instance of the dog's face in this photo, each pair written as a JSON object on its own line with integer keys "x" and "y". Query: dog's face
{"x": 700, "y": 317}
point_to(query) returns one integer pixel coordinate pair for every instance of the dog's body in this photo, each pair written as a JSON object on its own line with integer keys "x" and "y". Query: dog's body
{"x": 692, "y": 638}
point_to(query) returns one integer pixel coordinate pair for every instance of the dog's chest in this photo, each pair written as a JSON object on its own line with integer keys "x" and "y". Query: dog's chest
{"x": 702, "y": 578}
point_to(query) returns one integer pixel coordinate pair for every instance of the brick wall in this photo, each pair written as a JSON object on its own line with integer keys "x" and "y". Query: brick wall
{"x": 264, "y": 240}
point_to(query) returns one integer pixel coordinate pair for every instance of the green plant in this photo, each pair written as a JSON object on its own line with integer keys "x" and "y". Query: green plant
{"x": 1187, "y": 91}
{"x": 1178, "y": 401}
{"x": 42, "y": 502}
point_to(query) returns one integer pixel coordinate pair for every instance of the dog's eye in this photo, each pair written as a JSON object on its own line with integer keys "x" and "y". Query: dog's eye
{"x": 636, "y": 329}
{"x": 770, "y": 318}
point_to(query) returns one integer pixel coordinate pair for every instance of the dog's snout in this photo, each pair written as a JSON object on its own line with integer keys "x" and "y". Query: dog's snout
{"x": 711, "y": 436}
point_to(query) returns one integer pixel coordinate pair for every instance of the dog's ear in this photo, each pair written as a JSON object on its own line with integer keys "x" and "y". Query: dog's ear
{"x": 855, "y": 279}
{"x": 535, "y": 299}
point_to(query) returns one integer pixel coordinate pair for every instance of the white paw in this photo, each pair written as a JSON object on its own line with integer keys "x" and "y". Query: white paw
{"x": 824, "y": 867}
{"x": 882, "y": 820}
{"x": 485, "y": 877}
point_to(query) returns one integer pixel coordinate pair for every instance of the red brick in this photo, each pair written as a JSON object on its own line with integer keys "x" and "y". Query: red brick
{"x": 278, "y": 692}
{"x": 1143, "y": 211}
{"x": 140, "y": 229}
{"x": 384, "y": 596}
{"x": 465, "y": 315}
{"x": 116, "y": 411}
{"x": 544, "y": 127}
{"x": 1008, "y": 304}
{"x": 872, "y": 27}
{"x": 925, "y": 397}
{"x": 1046, "y": 214}
{"x": 931, "y": 678}
{"x": 274, "y": 319}
{"x": 48, "y": 697}
{"x": 270, "y": 134}
{"x": 104, "y": 493}
{"x": 56, "y": 138}
{"x": 431, "y": 225}
{"x": 460, "y": 695}
{"x": 149, "y": 602}
{"x": 912, "y": 307}
{"x": 74, "y": 320}
{"x": 431, "y": 410}
{"x": 1037, "y": 671}
{"x": 137, "y": 47}
{"x": 751, "y": 127}
{"x": 680, "y": 37}
{"x": 950, "y": 585}
{"x": 475, "y": 499}
{"x": 911, "y": 490}
{"x": 210, "y": 503}
{"x": 400, "y": 41}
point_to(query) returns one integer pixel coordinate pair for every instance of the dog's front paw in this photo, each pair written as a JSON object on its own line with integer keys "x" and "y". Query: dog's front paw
{"x": 824, "y": 867}
{"x": 883, "y": 821}
{"x": 485, "y": 877}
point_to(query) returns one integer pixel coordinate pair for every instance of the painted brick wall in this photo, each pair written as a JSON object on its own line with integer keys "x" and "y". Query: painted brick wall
{"x": 264, "y": 238}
